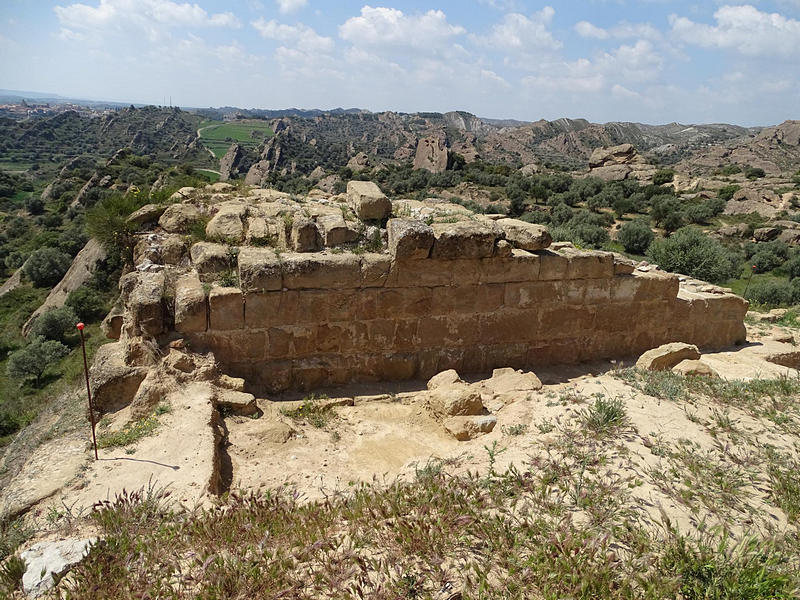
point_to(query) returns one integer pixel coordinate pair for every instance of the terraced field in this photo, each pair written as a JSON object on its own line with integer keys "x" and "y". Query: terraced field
{"x": 217, "y": 136}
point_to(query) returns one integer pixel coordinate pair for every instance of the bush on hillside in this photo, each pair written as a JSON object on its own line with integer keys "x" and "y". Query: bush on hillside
{"x": 636, "y": 236}
{"x": 774, "y": 292}
{"x": 46, "y": 266}
{"x": 55, "y": 323}
{"x": 692, "y": 253}
{"x": 754, "y": 173}
{"x": 663, "y": 176}
{"x": 107, "y": 223}
{"x": 34, "y": 359}
{"x": 727, "y": 192}
{"x": 87, "y": 304}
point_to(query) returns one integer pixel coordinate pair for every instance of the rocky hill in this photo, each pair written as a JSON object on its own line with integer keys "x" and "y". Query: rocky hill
{"x": 168, "y": 133}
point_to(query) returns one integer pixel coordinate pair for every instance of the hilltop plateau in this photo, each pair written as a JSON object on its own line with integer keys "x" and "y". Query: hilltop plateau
{"x": 398, "y": 355}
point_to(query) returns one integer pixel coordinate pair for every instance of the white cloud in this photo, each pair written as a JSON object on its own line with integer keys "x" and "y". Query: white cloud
{"x": 154, "y": 17}
{"x": 587, "y": 30}
{"x": 621, "y": 30}
{"x": 299, "y": 36}
{"x": 288, "y": 6}
{"x": 519, "y": 33}
{"x": 742, "y": 29}
{"x": 389, "y": 27}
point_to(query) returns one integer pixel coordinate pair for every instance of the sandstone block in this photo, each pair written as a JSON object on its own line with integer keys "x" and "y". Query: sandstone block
{"x": 456, "y": 400}
{"x": 667, "y": 356}
{"x": 503, "y": 249}
{"x": 178, "y": 218}
{"x": 368, "y": 201}
{"x": 149, "y": 213}
{"x": 145, "y": 303}
{"x": 228, "y": 223}
{"x": 114, "y": 383}
{"x": 262, "y": 310}
{"x": 465, "y": 239}
{"x": 526, "y": 236}
{"x": 469, "y": 428}
{"x": 520, "y": 266}
{"x": 374, "y": 270}
{"x": 695, "y": 368}
{"x": 226, "y": 309}
{"x": 444, "y": 379}
{"x": 236, "y": 403}
{"x": 210, "y": 259}
{"x": 552, "y": 266}
{"x": 259, "y": 270}
{"x": 589, "y": 264}
{"x": 321, "y": 271}
{"x": 191, "y": 314}
{"x": 305, "y": 234}
{"x": 336, "y": 231}
{"x": 507, "y": 380}
{"x": 409, "y": 239}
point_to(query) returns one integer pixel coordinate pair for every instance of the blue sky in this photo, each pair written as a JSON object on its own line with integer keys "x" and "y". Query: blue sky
{"x": 652, "y": 61}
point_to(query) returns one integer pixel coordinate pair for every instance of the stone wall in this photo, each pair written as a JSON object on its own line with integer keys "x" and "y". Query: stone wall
{"x": 302, "y": 321}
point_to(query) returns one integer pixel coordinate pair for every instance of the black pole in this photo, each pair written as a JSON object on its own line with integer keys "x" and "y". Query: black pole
{"x": 80, "y": 327}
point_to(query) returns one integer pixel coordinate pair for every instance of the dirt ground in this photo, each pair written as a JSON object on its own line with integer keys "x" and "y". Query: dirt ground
{"x": 385, "y": 432}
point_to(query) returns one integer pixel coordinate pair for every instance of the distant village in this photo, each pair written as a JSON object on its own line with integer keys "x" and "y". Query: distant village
{"x": 30, "y": 109}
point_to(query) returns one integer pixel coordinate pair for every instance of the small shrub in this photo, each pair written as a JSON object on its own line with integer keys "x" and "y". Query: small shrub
{"x": 34, "y": 359}
{"x": 727, "y": 192}
{"x": 55, "y": 323}
{"x": 605, "y": 415}
{"x": 754, "y": 173}
{"x": 46, "y": 267}
{"x": 770, "y": 292}
{"x": 87, "y": 304}
{"x": 730, "y": 170}
{"x": 663, "y": 176}
{"x": 690, "y": 252}
{"x": 312, "y": 411}
{"x": 636, "y": 236}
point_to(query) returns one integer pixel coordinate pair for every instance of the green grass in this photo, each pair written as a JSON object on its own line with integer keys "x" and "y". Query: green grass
{"x": 132, "y": 432}
{"x": 312, "y": 411}
{"x": 218, "y": 136}
{"x": 438, "y": 536}
{"x": 605, "y": 415}
{"x": 213, "y": 176}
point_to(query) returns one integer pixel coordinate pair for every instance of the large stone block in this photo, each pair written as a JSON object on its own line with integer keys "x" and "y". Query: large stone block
{"x": 260, "y": 270}
{"x": 209, "y": 259}
{"x": 409, "y": 239}
{"x": 420, "y": 273}
{"x": 368, "y": 201}
{"x": 178, "y": 218}
{"x": 145, "y": 303}
{"x": 552, "y": 266}
{"x": 261, "y": 310}
{"x": 465, "y": 239}
{"x": 305, "y": 234}
{"x": 321, "y": 271}
{"x": 191, "y": 309}
{"x": 336, "y": 231}
{"x": 526, "y": 236}
{"x": 374, "y": 270}
{"x": 589, "y": 264}
{"x": 228, "y": 224}
{"x": 520, "y": 266}
{"x": 226, "y": 309}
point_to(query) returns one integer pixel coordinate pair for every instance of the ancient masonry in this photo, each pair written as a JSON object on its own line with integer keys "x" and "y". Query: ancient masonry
{"x": 439, "y": 288}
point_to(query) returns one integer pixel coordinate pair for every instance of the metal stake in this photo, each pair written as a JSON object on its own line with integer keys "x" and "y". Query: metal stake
{"x": 80, "y": 327}
{"x": 752, "y": 270}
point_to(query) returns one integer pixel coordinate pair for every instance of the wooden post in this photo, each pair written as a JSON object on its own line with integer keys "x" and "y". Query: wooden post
{"x": 80, "y": 327}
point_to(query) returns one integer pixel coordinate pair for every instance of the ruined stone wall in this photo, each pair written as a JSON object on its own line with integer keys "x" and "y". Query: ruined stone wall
{"x": 301, "y": 321}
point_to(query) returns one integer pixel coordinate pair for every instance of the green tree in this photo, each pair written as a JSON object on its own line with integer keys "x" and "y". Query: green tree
{"x": 55, "y": 323}
{"x": 663, "y": 176}
{"x": 46, "y": 266}
{"x": 87, "y": 304}
{"x": 690, "y": 252}
{"x": 34, "y": 359}
{"x": 636, "y": 236}
{"x": 754, "y": 173}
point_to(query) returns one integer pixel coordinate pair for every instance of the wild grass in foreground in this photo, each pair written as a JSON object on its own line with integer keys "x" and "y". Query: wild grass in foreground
{"x": 440, "y": 536}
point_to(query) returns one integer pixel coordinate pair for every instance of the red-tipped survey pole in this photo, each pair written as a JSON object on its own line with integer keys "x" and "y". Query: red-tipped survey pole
{"x": 80, "y": 327}
{"x": 752, "y": 270}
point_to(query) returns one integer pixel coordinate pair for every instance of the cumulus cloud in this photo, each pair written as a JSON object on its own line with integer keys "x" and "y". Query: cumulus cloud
{"x": 299, "y": 36}
{"x": 520, "y": 33}
{"x": 287, "y": 6}
{"x": 742, "y": 29}
{"x": 587, "y": 30}
{"x": 151, "y": 16}
{"x": 390, "y": 27}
